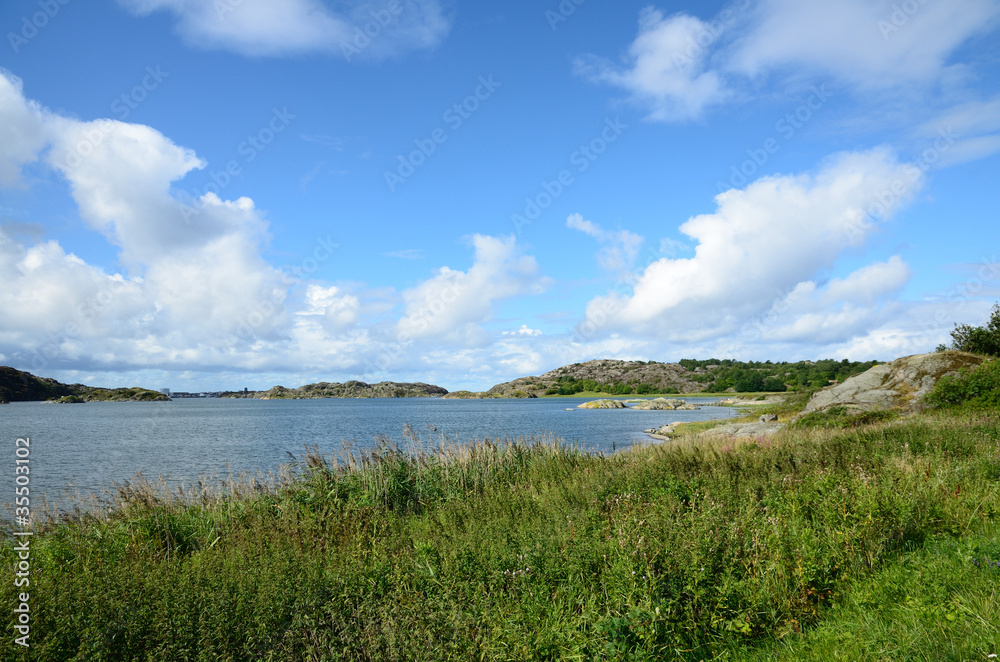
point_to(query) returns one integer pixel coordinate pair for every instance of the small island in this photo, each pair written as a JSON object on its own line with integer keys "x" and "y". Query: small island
{"x": 19, "y": 386}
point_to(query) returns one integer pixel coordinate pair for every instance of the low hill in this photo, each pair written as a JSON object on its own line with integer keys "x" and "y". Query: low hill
{"x": 19, "y": 386}
{"x": 687, "y": 376}
{"x": 352, "y": 389}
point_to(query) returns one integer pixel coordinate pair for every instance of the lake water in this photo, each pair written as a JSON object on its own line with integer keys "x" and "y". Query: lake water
{"x": 90, "y": 446}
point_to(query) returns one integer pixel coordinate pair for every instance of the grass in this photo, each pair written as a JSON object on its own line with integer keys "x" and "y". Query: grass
{"x": 868, "y": 543}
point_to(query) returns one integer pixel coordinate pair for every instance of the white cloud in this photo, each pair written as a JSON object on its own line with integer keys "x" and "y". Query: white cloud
{"x": 770, "y": 239}
{"x": 666, "y": 67}
{"x": 619, "y": 248}
{"x": 451, "y": 306}
{"x": 680, "y": 66}
{"x": 873, "y": 45}
{"x": 279, "y": 27}
{"x": 22, "y": 133}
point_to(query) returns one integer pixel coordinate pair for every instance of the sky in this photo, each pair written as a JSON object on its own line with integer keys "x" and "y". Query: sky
{"x": 219, "y": 194}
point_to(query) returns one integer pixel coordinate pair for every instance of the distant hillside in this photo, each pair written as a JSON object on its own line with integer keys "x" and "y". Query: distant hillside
{"x": 687, "y": 376}
{"x": 352, "y": 389}
{"x": 18, "y": 386}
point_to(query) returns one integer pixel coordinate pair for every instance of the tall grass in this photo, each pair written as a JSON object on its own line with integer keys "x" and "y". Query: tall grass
{"x": 533, "y": 549}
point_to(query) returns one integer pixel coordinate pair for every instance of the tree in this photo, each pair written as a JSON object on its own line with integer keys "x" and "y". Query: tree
{"x": 979, "y": 339}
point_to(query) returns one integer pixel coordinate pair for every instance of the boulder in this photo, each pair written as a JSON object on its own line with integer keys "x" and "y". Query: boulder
{"x": 664, "y": 404}
{"x": 898, "y": 385}
{"x": 743, "y": 430}
{"x": 768, "y": 418}
{"x": 602, "y": 404}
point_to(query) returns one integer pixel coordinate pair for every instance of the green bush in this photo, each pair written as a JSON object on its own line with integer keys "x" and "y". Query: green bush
{"x": 977, "y": 389}
{"x": 979, "y": 339}
{"x": 841, "y": 417}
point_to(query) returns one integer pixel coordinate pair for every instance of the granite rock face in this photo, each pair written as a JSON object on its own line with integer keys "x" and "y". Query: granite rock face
{"x": 898, "y": 385}
{"x": 666, "y": 404}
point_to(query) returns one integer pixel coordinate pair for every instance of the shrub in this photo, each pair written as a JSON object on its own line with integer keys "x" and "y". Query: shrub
{"x": 979, "y": 339}
{"x": 977, "y": 389}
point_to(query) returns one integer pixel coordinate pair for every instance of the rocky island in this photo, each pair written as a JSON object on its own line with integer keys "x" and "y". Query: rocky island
{"x": 19, "y": 386}
{"x": 351, "y": 389}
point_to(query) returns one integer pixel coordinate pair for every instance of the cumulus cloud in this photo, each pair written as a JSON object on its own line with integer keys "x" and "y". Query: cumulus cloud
{"x": 22, "y": 132}
{"x": 666, "y": 67}
{"x": 765, "y": 244}
{"x": 452, "y": 305}
{"x": 619, "y": 248}
{"x": 280, "y": 27}
{"x": 680, "y": 66}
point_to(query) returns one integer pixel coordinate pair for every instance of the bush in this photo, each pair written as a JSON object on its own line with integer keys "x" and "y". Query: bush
{"x": 979, "y": 339}
{"x": 977, "y": 389}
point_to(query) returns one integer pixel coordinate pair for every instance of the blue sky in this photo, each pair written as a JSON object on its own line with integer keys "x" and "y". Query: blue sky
{"x": 206, "y": 194}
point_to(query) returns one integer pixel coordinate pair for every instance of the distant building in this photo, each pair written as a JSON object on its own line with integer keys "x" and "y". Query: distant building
{"x": 165, "y": 391}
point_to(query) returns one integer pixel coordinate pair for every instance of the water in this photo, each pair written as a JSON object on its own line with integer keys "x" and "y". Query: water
{"x": 88, "y": 447}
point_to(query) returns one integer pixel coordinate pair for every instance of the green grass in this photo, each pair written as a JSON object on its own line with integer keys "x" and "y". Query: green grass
{"x": 856, "y": 542}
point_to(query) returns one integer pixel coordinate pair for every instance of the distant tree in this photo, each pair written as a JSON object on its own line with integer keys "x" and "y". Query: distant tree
{"x": 979, "y": 339}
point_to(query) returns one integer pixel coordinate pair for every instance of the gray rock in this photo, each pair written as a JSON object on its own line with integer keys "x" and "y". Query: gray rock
{"x": 768, "y": 418}
{"x": 602, "y": 404}
{"x": 668, "y": 404}
{"x": 743, "y": 430}
{"x": 898, "y": 385}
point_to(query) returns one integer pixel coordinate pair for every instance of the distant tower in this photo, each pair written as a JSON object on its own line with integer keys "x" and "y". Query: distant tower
{"x": 245, "y": 390}
{"x": 165, "y": 391}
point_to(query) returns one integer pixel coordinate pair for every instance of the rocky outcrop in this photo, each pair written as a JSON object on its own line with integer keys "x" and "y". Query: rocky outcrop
{"x": 482, "y": 395}
{"x": 661, "y": 377}
{"x": 18, "y": 386}
{"x": 893, "y": 386}
{"x": 743, "y": 430}
{"x": 602, "y": 404}
{"x": 352, "y": 389}
{"x": 665, "y": 404}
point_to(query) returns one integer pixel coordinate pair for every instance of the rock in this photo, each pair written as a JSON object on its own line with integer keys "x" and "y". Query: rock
{"x": 743, "y": 430}
{"x": 602, "y": 404}
{"x": 668, "y": 404}
{"x": 898, "y": 385}
{"x": 768, "y": 418}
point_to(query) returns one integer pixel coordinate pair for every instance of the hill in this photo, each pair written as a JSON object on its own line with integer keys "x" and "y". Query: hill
{"x": 687, "y": 376}
{"x": 19, "y": 386}
{"x": 352, "y": 389}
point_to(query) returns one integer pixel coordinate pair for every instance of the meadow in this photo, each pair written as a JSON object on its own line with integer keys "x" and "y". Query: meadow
{"x": 862, "y": 540}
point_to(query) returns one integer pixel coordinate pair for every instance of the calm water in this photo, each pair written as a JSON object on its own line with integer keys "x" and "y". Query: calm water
{"x": 91, "y": 446}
